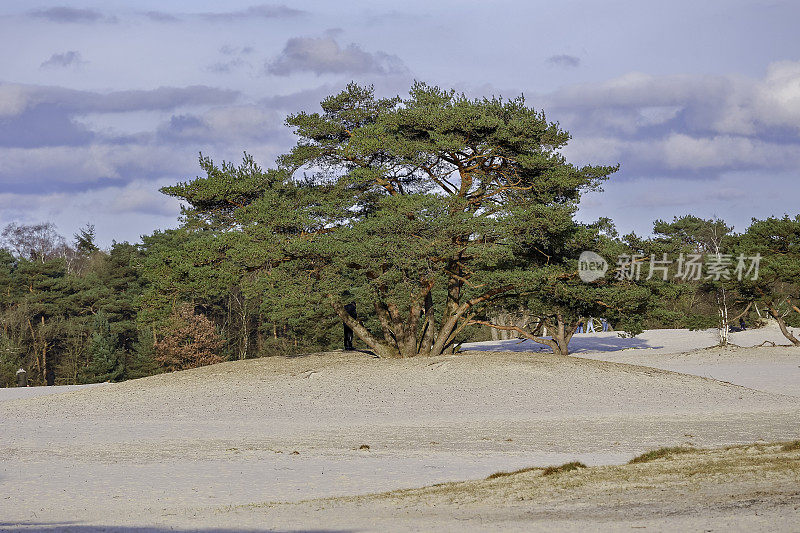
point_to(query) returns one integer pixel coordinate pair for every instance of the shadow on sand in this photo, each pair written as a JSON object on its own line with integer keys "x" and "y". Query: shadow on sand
{"x": 74, "y": 527}
{"x": 580, "y": 343}
{"x": 354, "y": 351}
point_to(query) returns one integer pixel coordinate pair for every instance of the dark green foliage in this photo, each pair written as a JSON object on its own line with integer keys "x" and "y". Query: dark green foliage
{"x": 433, "y": 213}
{"x": 686, "y": 302}
{"x": 84, "y": 240}
{"x": 106, "y": 360}
{"x": 74, "y": 315}
{"x": 561, "y": 300}
{"x": 10, "y": 361}
{"x": 777, "y": 287}
{"x": 141, "y": 361}
{"x": 423, "y": 211}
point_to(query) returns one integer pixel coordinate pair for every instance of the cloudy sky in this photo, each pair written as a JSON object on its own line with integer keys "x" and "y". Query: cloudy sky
{"x": 103, "y": 102}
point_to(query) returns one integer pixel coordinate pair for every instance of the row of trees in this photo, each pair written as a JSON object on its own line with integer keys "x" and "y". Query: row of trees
{"x": 67, "y": 311}
{"x": 435, "y": 214}
{"x": 70, "y": 313}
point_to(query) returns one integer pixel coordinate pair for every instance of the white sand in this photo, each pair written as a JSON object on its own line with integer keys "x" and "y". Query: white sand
{"x": 654, "y": 341}
{"x": 157, "y": 451}
{"x": 16, "y": 393}
{"x": 772, "y": 369}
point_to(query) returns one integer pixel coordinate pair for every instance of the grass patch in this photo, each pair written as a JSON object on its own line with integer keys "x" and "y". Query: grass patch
{"x": 668, "y": 451}
{"x": 791, "y": 446}
{"x": 513, "y": 472}
{"x": 566, "y": 467}
{"x": 548, "y": 471}
{"x": 745, "y": 464}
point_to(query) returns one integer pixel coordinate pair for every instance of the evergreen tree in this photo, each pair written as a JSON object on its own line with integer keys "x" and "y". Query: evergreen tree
{"x": 424, "y": 210}
{"x": 10, "y": 361}
{"x": 776, "y": 285}
{"x": 712, "y": 300}
{"x": 141, "y": 361}
{"x": 106, "y": 362}
{"x": 84, "y": 240}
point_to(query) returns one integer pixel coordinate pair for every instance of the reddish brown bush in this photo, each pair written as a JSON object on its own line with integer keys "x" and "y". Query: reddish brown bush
{"x": 189, "y": 342}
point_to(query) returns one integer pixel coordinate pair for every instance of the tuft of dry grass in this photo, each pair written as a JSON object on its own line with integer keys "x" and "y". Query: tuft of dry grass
{"x": 666, "y": 451}
{"x": 566, "y": 467}
{"x": 546, "y": 471}
{"x": 791, "y": 446}
{"x": 513, "y": 472}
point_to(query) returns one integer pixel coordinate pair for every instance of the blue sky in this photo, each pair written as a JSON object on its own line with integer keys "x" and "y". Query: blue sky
{"x": 101, "y": 103}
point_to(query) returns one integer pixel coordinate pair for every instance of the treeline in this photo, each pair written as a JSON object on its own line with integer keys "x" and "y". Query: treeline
{"x": 72, "y": 313}
{"x": 68, "y": 312}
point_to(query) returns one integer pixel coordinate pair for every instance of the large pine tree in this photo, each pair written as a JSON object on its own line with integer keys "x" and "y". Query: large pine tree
{"x": 423, "y": 210}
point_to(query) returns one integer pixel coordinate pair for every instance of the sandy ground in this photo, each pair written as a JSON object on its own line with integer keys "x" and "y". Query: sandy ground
{"x": 654, "y": 341}
{"x": 770, "y": 368}
{"x": 190, "y": 449}
{"x": 31, "y": 392}
{"x": 747, "y": 488}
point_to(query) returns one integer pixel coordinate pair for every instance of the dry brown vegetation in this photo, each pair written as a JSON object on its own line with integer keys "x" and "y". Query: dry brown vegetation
{"x": 744, "y": 466}
{"x": 652, "y": 455}
{"x": 191, "y": 341}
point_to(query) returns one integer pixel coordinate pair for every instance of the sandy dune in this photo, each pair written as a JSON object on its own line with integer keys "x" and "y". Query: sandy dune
{"x": 157, "y": 451}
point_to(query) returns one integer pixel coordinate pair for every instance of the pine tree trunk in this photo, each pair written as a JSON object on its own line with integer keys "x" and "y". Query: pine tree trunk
{"x": 429, "y": 327}
{"x": 380, "y": 349}
{"x": 562, "y": 333}
{"x": 44, "y": 352}
{"x": 782, "y": 324}
{"x": 245, "y": 336}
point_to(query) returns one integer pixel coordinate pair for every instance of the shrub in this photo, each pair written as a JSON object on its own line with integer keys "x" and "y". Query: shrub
{"x": 190, "y": 341}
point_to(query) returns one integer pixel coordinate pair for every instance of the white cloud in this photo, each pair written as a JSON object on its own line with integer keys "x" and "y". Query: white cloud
{"x": 323, "y": 55}
{"x": 68, "y": 168}
{"x": 725, "y": 151}
{"x": 13, "y": 99}
{"x": 224, "y": 124}
{"x": 724, "y": 104}
{"x": 119, "y": 213}
{"x": 778, "y": 97}
{"x": 685, "y": 125}
{"x": 141, "y": 197}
